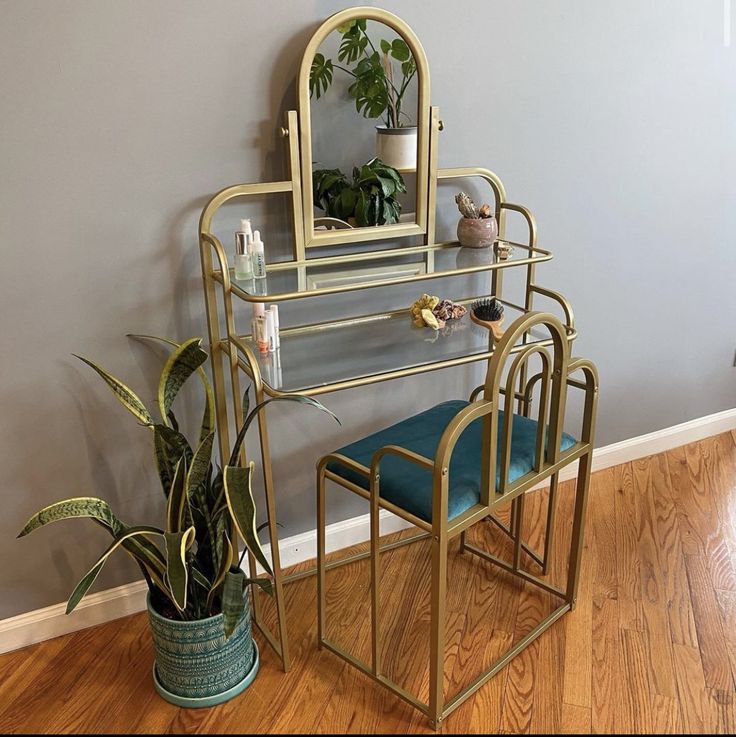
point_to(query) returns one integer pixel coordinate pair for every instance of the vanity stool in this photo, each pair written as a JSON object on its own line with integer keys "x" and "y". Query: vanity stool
{"x": 450, "y": 467}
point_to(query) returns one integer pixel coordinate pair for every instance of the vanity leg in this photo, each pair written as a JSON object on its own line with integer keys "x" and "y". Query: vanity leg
{"x": 578, "y": 527}
{"x": 273, "y": 533}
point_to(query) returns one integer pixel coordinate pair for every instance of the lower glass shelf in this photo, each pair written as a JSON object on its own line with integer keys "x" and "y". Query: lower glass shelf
{"x": 317, "y": 359}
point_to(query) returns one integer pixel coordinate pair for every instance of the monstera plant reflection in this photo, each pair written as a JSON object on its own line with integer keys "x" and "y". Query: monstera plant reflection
{"x": 198, "y": 593}
{"x": 380, "y": 81}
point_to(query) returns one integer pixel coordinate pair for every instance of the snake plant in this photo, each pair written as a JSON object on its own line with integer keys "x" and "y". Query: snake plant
{"x": 190, "y": 562}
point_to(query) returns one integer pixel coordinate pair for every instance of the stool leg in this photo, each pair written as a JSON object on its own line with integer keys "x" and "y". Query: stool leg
{"x": 518, "y": 529}
{"x": 578, "y": 527}
{"x": 320, "y": 556}
{"x": 550, "y": 531}
{"x": 437, "y": 630}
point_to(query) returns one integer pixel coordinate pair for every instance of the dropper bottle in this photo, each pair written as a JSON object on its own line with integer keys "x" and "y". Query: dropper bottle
{"x": 257, "y": 256}
{"x": 243, "y": 264}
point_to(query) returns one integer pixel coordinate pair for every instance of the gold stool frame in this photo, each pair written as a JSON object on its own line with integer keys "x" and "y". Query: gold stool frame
{"x": 556, "y": 375}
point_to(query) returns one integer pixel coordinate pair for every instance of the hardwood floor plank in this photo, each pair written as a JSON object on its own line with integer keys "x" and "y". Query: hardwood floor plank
{"x": 602, "y": 526}
{"x": 698, "y": 712}
{"x": 711, "y": 640}
{"x": 650, "y": 551}
{"x": 575, "y": 720}
{"x": 628, "y": 565}
{"x": 637, "y": 696}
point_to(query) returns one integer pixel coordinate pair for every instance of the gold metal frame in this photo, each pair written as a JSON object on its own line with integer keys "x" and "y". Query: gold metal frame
{"x": 360, "y": 235}
{"x": 556, "y": 376}
{"x": 231, "y": 350}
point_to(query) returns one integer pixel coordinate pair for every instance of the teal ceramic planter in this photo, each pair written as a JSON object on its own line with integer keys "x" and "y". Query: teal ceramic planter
{"x": 195, "y": 665}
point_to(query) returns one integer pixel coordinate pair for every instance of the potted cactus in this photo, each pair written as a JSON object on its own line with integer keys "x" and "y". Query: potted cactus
{"x": 477, "y": 227}
{"x": 198, "y": 600}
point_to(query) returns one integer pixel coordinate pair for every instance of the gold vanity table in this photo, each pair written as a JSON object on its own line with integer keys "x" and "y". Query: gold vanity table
{"x": 368, "y": 348}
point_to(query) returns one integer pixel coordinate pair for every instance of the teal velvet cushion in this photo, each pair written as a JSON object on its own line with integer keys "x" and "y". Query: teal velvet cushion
{"x": 409, "y": 486}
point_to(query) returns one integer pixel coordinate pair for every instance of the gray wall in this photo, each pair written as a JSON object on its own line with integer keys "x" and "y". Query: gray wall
{"x": 614, "y": 122}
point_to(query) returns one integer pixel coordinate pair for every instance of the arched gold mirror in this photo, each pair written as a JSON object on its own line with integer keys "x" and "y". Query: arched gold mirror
{"x": 364, "y": 121}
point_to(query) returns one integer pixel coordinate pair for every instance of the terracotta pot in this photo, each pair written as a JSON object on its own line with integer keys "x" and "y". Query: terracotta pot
{"x": 477, "y": 232}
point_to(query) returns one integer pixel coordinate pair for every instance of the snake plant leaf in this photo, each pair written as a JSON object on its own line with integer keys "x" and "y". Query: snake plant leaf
{"x": 161, "y": 455}
{"x": 180, "y": 365}
{"x": 233, "y": 601}
{"x": 90, "y": 577}
{"x": 81, "y": 506}
{"x": 226, "y": 561}
{"x": 202, "y": 580}
{"x": 177, "y": 544}
{"x": 176, "y": 509}
{"x": 301, "y": 398}
{"x": 127, "y": 397}
{"x": 178, "y": 445}
{"x": 263, "y": 583}
{"x": 208, "y": 418}
{"x": 200, "y": 465}
{"x": 242, "y": 508}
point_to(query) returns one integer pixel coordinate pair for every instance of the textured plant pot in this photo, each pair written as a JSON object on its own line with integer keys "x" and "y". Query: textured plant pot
{"x": 477, "y": 232}
{"x": 397, "y": 147}
{"x": 195, "y": 665}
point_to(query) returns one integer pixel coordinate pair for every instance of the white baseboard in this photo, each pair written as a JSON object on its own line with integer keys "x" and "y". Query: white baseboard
{"x": 104, "y": 606}
{"x": 52, "y": 621}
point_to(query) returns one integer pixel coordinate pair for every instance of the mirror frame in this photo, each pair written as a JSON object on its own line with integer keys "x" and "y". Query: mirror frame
{"x": 381, "y": 232}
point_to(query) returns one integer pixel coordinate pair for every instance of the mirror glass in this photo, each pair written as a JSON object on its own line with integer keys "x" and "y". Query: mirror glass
{"x": 363, "y": 105}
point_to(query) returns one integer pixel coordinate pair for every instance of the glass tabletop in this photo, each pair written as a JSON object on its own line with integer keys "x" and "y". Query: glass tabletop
{"x": 361, "y": 349}
{"x": 292, "y": 280}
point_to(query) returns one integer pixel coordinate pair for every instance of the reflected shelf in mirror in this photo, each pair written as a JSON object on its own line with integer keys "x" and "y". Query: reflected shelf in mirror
{"x": 330, "y": 275}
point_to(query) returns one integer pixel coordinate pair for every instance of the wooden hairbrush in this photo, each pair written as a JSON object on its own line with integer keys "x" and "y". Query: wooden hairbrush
{"x": 488, "y": 312}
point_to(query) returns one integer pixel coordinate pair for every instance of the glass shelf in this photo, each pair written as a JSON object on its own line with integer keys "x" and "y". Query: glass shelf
{"x": 318, "y": 276}
{"x": 323, "y": 358}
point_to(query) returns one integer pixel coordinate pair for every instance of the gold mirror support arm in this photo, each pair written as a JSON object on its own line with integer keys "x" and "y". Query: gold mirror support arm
{"x": 423, "y": 128}
{"x": 435, "y": 126}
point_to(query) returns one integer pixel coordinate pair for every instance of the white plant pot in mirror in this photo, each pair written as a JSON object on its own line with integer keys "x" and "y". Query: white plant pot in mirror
{"x": 397, "y": 147}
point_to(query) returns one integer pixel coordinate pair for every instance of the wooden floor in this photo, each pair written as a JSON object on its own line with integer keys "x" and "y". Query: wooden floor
{"x": 651, "y": 646}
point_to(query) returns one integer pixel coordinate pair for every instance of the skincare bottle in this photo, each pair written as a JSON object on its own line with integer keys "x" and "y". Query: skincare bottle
{"x": 257, "y": 256}
{"x": 243, "y": 265}
{"x": 276, "y": 338}
{"x": 259, "y": 310}
{"x": 270, "y": 332}
{"x": 262, "y": 335}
